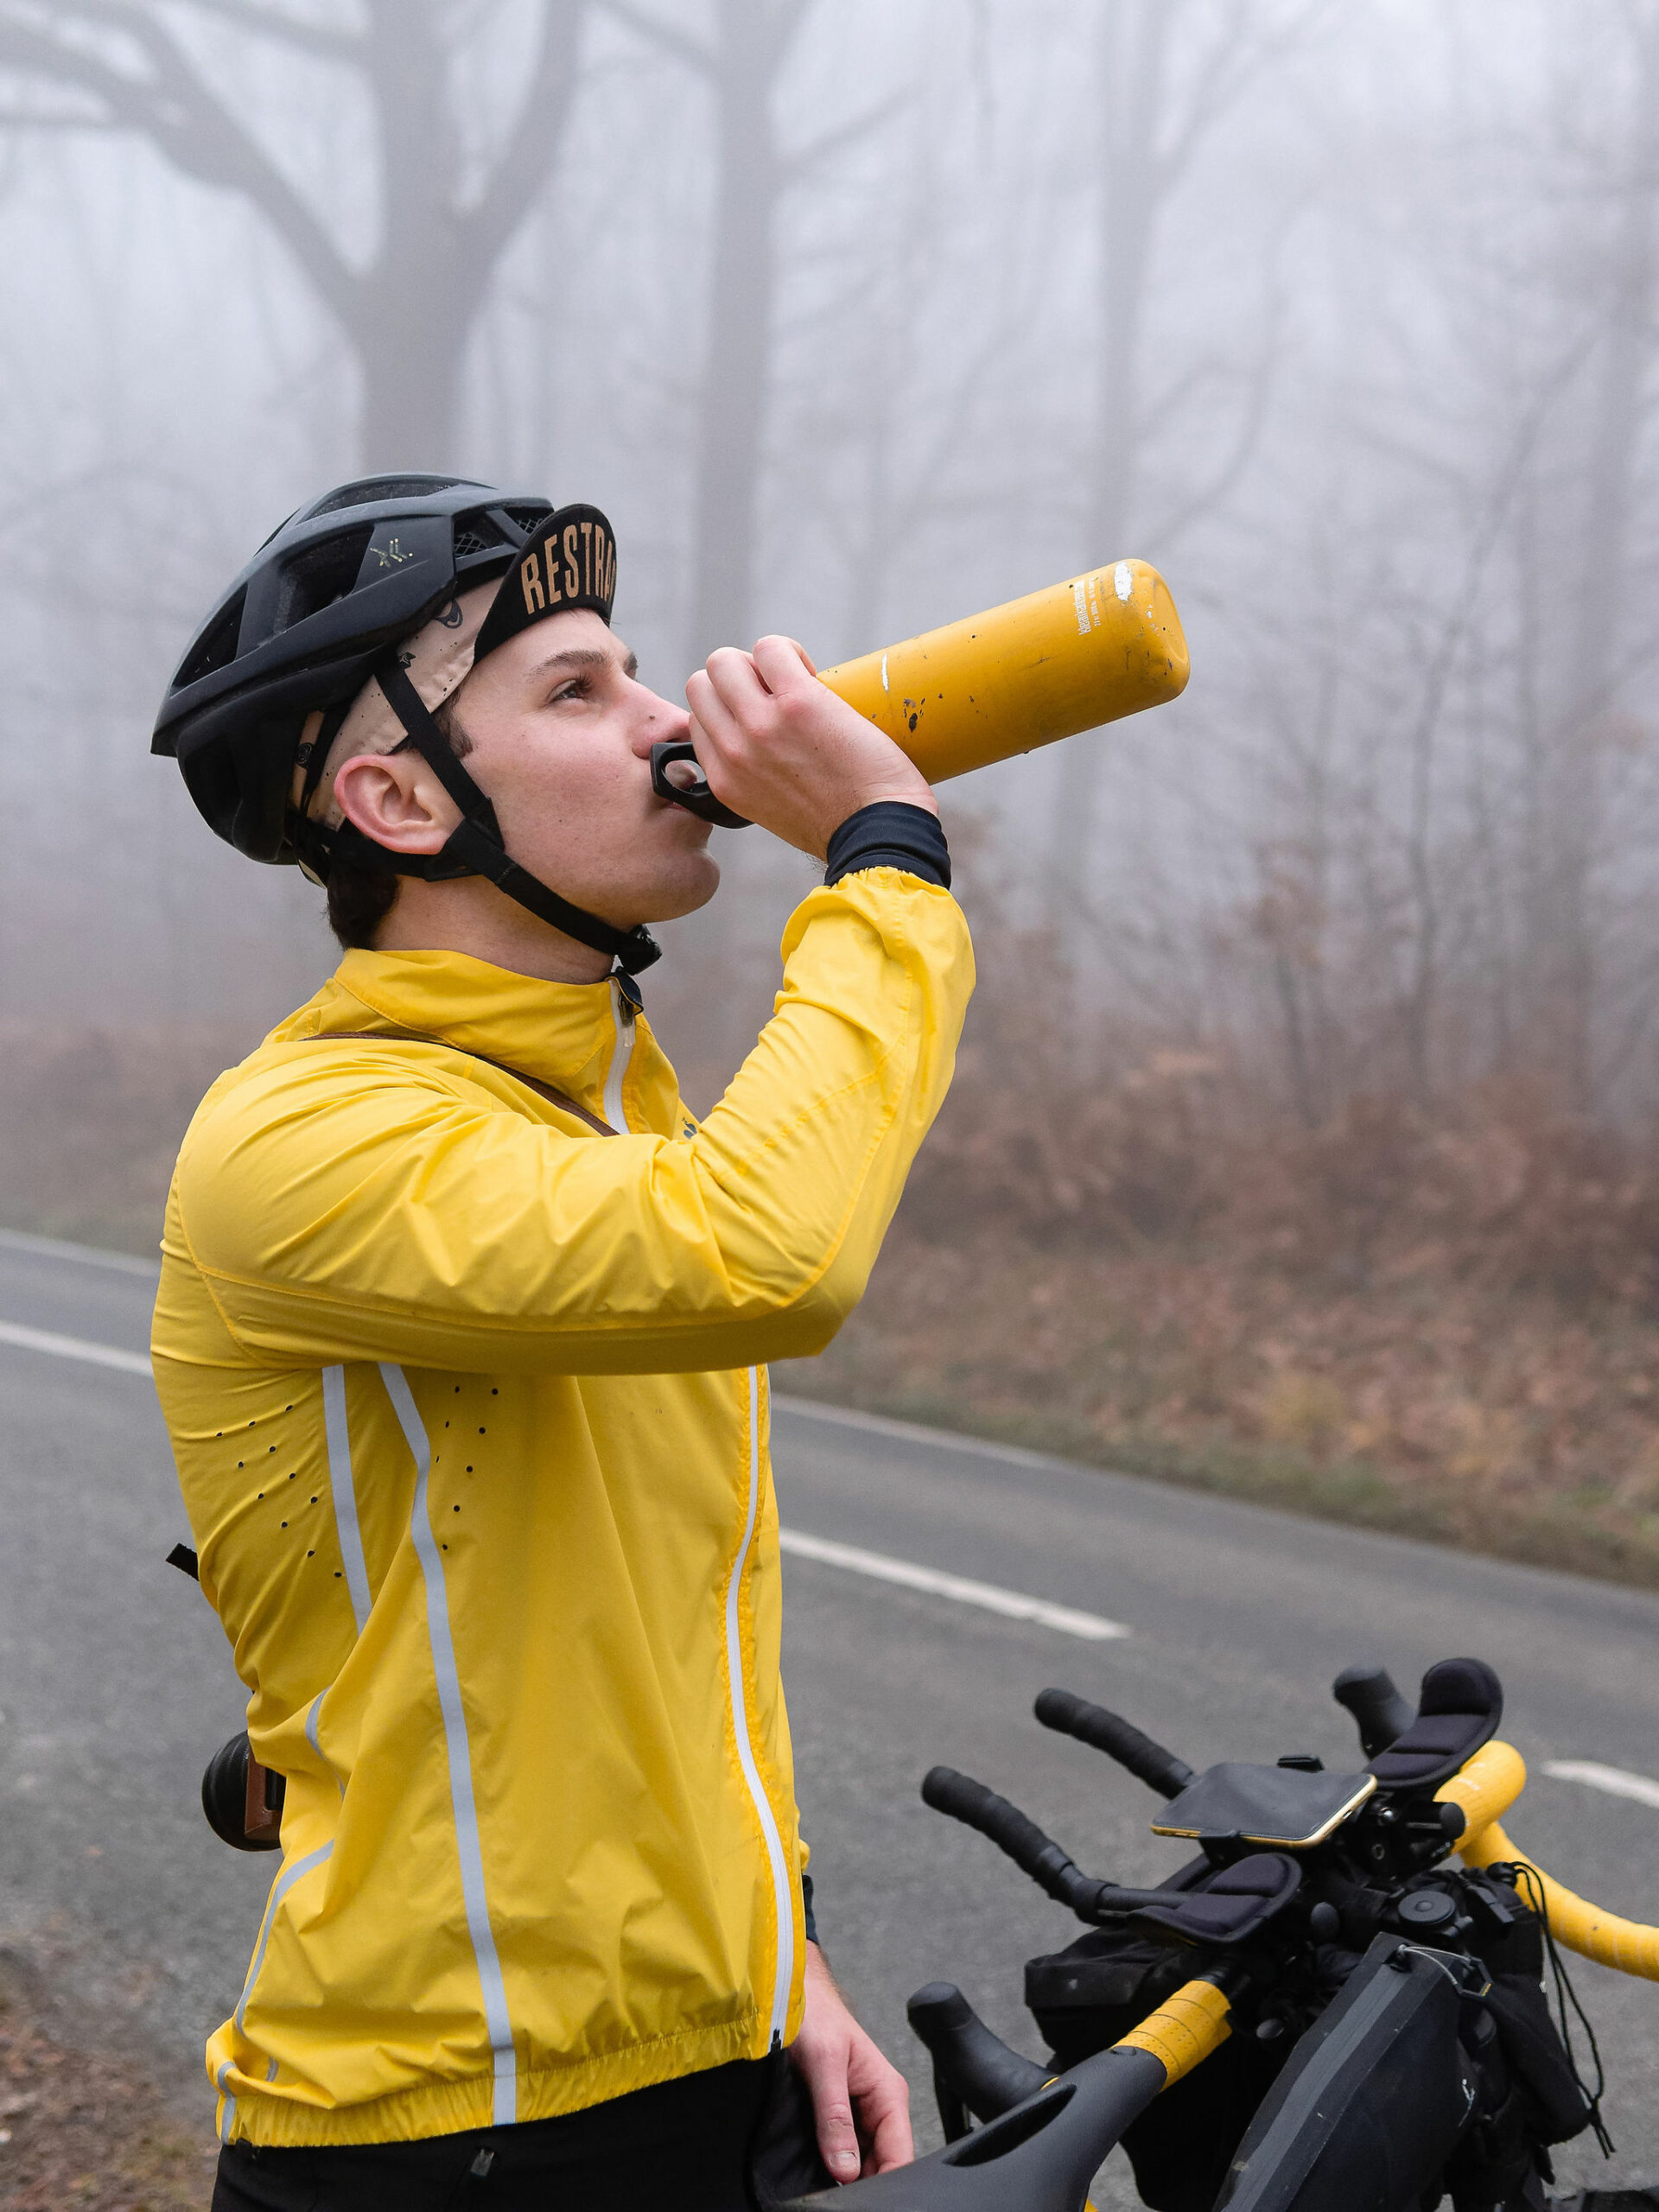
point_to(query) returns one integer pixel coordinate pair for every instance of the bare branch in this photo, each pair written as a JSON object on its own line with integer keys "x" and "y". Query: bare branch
{"x": 182, "y": 118}
{"x": 668, "y": 36}
{"x": 1245, "y": 445}
{"x": 23, "y": 119}
{"x": 825, "y": 148}
{"x": 322, "y": 39}
{"x": 1224, "y": 79}
{"x": 536, "y": 137}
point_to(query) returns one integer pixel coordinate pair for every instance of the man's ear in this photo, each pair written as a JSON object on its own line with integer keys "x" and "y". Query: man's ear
{"x": 395, "y": 800}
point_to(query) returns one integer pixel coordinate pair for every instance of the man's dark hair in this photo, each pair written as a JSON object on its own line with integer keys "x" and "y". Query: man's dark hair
{"x": 359, "y": 898}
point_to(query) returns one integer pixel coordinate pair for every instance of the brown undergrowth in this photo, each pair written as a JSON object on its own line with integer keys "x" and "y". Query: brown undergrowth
{"x": 81, "y": 2127}
{"x": 1442, "y": 1321}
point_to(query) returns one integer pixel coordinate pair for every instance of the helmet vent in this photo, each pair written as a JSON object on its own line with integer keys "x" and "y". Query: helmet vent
{"x": 476, "y": 533}
{"x": 529, "y": 520}
{"x": 376, "y": 491}
{"x": 216, "y": 647}
{"x": 319, "y": 575}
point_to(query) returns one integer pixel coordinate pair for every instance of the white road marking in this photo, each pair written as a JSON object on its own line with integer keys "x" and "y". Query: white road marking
{"x": 1613, "y": 1779}
{"x": 89, "y": 1255}
{"x": 1013, "y": 1604}
{"x": 129, "y": 1363}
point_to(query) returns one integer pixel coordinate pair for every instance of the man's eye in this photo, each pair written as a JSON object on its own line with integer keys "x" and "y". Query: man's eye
{"x": 575, "y": 687}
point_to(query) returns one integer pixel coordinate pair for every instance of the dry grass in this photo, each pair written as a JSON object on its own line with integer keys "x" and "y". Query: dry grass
{"x": 1442, "y": 1322}
{"x": 1445, "y": 1323}
{"x": 1483, "y": 1418}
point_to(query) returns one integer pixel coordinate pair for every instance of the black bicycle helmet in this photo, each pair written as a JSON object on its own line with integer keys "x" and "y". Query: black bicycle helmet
{"x": 318, "y": 611}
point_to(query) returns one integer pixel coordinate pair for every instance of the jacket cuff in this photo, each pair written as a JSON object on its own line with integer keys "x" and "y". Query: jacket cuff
{"x": 890, "y": 834}
{"x": 806, "y": 1908}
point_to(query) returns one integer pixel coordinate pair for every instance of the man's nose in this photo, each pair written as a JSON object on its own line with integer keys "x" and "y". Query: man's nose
{"x": 659, "y": 719}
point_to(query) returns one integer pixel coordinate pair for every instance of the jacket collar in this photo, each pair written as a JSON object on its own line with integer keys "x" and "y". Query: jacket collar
{"x": 563, "y": 1034}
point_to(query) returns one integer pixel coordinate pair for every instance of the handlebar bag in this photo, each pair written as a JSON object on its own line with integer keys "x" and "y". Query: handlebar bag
{"x": 1088, "y": 1996}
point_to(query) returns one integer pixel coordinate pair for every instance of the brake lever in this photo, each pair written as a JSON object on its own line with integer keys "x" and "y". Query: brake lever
{"x": 694, "y": 796}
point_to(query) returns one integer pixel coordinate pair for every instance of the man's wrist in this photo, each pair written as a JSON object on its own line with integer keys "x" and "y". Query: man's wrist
{"x": 890, "y": 833}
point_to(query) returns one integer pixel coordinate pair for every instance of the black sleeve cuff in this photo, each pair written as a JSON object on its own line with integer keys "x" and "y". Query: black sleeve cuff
{"x": 806, "y": 1907}
{"x": 890, "y": 834}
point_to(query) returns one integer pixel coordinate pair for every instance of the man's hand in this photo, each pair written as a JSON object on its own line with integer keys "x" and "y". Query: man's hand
{"x": 860, "y": 2103}
{"x": 778, "y": 746}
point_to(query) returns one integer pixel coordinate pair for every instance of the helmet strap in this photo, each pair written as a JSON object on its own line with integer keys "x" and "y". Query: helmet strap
{"x": 475, "y": 846}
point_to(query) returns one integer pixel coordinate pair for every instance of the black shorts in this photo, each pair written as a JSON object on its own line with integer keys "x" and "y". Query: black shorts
{"x": 736, "y": 2139}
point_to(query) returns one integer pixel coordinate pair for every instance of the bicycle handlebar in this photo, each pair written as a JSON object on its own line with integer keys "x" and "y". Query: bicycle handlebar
{"x": 1380, "y": 1712}
{"x": 1483, "y": 1788}
{"x": 976, "y": 2066}
{"x": 1486, "y": 1788}
{"x": 1109, "y": 1733}
{"x": 1007, "y": 1827}
{"x": 1045, "y": 2151}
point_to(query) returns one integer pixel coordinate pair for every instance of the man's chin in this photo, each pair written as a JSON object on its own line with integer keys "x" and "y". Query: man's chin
{"x": 691, "y": 889}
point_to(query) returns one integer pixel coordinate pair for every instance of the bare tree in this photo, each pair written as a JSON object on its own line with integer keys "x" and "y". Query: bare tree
{"x": 741, "y": 64}
{"x": 407, "y": 310}
{"x": 1154, "y": 123}
{"x": 1572, "y": 794}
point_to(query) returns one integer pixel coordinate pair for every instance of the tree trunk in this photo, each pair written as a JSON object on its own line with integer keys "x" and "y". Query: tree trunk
{"x": 419, "y": 298}
{"x": 1131, "y": 50}
{"x": 1563, "y": 952}
{"x": 732, "y": 412}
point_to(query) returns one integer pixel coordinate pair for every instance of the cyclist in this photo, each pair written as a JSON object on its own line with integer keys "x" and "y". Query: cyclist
{"x": 461, "y": 1340}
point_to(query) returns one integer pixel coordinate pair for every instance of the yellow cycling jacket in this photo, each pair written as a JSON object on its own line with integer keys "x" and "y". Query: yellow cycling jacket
{"x": 468, "y": 1403}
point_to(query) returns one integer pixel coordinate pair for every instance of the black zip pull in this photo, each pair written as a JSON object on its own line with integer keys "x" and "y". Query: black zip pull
{"x": 185, "y": 1560}
{"x": 629, "y": 994}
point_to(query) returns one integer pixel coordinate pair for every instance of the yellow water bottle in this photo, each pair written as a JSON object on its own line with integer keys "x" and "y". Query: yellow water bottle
{"x": 1090, "y": 650}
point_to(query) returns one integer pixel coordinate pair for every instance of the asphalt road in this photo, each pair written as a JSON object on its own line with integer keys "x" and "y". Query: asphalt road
{"x": 115, "y": 1684}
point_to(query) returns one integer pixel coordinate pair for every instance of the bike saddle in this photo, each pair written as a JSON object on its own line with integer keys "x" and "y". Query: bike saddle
{"x": 1040, "y": 2157}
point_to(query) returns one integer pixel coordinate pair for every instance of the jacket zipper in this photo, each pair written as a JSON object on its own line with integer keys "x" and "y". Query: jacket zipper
{"x": 622, "y": 1012}
{"x": 782, "y": 1891}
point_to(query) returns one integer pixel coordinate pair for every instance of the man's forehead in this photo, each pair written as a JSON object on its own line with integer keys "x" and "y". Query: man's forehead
{"x": 592, "y": 646}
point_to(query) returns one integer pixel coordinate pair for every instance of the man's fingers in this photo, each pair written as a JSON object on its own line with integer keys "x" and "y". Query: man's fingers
{"x": 832, "y": 2111}
{"x": 737, "y": 681}
{"x": 779, "y": 661}
{"x": 709, "y": 712}
{"x": 882, "y": 2096}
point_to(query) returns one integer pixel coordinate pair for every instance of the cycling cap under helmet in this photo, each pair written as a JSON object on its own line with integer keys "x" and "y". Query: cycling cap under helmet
{"x": 330, "y": 603}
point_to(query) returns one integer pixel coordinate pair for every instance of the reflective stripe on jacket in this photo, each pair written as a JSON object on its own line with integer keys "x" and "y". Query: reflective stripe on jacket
{"x": 469, "y": 1409}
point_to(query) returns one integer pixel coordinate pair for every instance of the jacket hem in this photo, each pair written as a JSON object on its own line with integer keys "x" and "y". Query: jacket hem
{"x": 451, "y": 2107}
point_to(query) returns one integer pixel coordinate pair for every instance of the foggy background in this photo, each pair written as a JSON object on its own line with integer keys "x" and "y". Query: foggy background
{"x": 1304, "y": 1140}
{"x": 857, "y": 317}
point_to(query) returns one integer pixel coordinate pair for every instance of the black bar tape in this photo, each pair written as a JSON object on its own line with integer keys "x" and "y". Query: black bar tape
{"x": 1012, "y": 1833}
{"x": 890, "y": 834}
{"x": 1109, "y": 1733}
